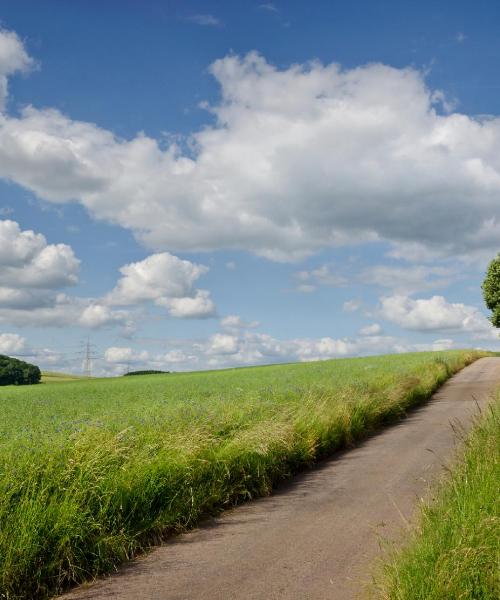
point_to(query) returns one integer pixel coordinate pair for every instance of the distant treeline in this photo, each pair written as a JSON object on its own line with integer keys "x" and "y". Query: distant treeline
{"x": 17, "y": 372}
{"x": 150, "y": 372}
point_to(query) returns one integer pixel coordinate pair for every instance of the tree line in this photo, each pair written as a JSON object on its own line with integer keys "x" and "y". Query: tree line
{"x": 17, "y": 372}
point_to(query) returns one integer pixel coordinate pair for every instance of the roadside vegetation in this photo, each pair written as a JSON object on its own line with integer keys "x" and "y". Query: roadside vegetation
{"x": 455, "y": 552}
{"x": 94, "y": 471}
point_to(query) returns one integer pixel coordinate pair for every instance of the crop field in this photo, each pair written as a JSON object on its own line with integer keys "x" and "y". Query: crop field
{"x": 51, "y": 376}
{"x": 94, "y": 471}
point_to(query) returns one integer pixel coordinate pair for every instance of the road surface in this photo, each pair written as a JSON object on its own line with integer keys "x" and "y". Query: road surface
{"x": 317, "y": 536}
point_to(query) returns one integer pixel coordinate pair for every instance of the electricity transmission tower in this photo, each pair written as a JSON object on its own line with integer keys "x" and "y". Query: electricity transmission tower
{"x": 89, "y": 355}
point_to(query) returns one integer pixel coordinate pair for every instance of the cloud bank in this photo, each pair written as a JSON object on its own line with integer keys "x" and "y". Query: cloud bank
{"x": 298, "y": 159}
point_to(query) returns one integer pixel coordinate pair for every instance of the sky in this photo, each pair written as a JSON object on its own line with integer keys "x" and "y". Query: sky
{"x": 199, "y": 185}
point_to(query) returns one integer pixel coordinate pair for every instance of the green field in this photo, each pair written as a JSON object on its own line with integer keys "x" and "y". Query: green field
{"x": 455, "y": 552}
{"x": 55, "y": 377}
{"x": 93, "y": 471}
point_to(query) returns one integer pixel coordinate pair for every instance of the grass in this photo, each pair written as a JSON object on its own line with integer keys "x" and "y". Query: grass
{"x": 94, "y": 471}
{"x": 455, "y": 552}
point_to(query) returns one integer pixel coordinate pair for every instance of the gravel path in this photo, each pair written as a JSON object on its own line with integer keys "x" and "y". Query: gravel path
{"x": 318, "y": 535}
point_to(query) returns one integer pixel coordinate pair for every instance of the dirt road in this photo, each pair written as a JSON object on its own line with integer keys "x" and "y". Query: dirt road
{"x": 316, "y": 537}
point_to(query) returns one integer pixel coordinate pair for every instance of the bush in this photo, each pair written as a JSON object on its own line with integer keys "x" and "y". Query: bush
{"x": 150, "y": 372}
{"x": 17, "y": 372}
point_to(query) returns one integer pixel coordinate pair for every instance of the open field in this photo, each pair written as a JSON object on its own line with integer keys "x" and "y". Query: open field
{"x": 93, "y": 471}
{"x": 455, "y": 552}
{"x": 56, "y": 377}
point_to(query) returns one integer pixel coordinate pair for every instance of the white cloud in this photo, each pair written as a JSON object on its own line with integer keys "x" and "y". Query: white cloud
{"x": 167, "y": 281}
{"x": 32, "y": 272}
{"x": 29, "y": 267}
{"x": 62, "y": 311}
{"x": 204, "y": 20}
{"x": 125, "y": 355}
{"x": 444, "y": 344}
{"x": 235, "y": 322}
{"x": 13, "y": 57}
{"x": 409, "y": 279}
{"x": 269, "y": 6}
{"x": 32, "y": 275}
{"x": 27, "y": 261}
{"x": 260, "y": 348}
{"x": 96, "y": 315}
{"x": 309, "y": 281}
{"x": 436, "y": 314}
{"x": 351, "y": 305}
{"x": 299, "y": 159}
{"x": 200, "y": 306}
{"x": 373, "y": 329}
{"x": 12, "y": 344}
{"x": 222, "y": 343}
{"x": 245, "y": 347}
{"x": 174, "y": 357}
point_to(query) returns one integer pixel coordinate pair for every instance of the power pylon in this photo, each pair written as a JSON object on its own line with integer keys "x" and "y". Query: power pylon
{"x": 89, "y": 354}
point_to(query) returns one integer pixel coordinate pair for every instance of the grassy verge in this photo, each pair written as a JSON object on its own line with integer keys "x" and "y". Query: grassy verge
{"x": 455, "y": 553}
{"x": 93, "y": 471}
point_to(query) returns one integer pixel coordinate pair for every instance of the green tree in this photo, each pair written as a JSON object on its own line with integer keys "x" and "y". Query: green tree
{"x": 491, "y": 290}
{"x": 17, "y": 372}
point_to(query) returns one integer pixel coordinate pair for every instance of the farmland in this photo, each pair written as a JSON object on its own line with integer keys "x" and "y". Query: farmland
{"x": 93, "y": 471}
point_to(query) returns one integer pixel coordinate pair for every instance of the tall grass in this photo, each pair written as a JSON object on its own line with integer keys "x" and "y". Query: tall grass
{"x": 92, "y": 472}
{"x": 455, "y": 553}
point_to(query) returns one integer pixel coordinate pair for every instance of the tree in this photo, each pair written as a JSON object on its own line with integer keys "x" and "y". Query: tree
{"x": 491, "y": 290}
{"x": 17, "y": 372}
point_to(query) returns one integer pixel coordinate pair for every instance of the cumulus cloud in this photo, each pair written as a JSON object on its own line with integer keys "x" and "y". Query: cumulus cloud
{"x": 27, "y": 261}
{"x": 116, "y": 356}
{"x": 13, "y": 57}
{"x": 222, "y": 343}
{"x": 298, "y": 159}
{"x": 252, "y": 348}
{"x": 244, "y": 347}
{"x": 167, "y": 281}
{"x": 200, "y": 306}
{"x": 125, "y": 355}
{"x": 62, "y": 310}
{"x": 33, "y": 274}
{"x": 174, "y": 357}
{"x": 12, "y": 344}
{"x": 443, "y": 344}
{"x": 235, "y": 322}
{"x": 260, "y": 348}
{"x": 373, "y": 329}
{"x": 436, "y": 313}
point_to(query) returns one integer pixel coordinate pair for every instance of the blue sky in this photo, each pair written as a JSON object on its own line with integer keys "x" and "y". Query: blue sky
{"x": 200, "y": 185}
